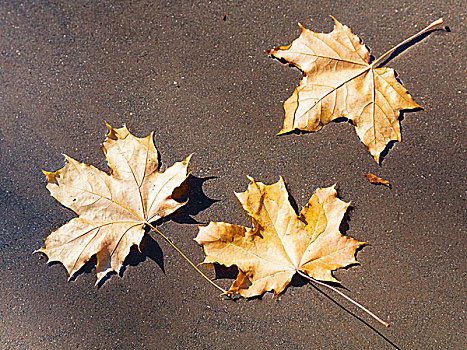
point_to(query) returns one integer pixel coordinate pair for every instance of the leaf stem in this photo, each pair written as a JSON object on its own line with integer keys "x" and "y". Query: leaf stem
{"x": 186, "y": 258}
{"x": 345, "y": 296}
{"x": 435, "y": 23}
{"x": 310, "y": 286}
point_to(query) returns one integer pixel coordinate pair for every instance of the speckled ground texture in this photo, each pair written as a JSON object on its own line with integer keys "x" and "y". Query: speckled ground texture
{"x": 205, "y": 85}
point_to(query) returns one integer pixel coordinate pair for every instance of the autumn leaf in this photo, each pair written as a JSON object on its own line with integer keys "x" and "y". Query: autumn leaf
{"x": 113, "y": 209}
{"x": 340, "y": 81}
{"x": 377, "y": 180}
{"x": 280, "y": 244}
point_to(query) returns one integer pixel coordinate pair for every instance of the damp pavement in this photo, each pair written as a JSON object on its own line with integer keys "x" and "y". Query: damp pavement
{"x": 197, "y": 74}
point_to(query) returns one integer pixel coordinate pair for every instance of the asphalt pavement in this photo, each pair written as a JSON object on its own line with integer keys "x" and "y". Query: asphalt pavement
{"x": 196, "y": 73}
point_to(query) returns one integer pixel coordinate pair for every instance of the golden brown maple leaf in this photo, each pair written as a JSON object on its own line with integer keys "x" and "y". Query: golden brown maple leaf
{"x": 280, "y": 243}
{"x": 113, "y": 209}
{"x": 339, "y": 81}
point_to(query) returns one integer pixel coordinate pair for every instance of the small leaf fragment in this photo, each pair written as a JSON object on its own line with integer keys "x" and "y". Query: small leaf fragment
{"x": 377, "y": 180}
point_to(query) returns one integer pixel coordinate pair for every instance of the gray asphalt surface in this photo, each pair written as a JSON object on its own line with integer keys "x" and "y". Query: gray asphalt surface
{"x": 205, "y": 85}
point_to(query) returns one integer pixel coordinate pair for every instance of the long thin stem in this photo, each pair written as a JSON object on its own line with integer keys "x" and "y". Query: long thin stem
{"x": 186, "y": 258}
{"x": 435, "y": 23}
{"x": 310, "y": 286}
{"x": 346, "y": 297}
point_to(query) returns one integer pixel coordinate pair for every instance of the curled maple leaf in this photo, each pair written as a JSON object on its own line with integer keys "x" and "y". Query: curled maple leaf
{"x": 280, "y": 244}
{"x": 339, "y": 81}
{"x": 113, "y": 209}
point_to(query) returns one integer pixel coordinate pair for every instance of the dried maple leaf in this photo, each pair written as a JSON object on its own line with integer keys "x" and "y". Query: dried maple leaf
{"x": 113, "y": 209}
{"x": 377, "y": 180}
{"x": 280, "y": 243}
{"x": 339, "y": 81}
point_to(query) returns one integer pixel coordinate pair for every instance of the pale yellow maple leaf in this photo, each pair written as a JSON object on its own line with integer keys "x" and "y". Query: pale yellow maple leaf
{"x": 280, "y": 244}
{"x": 113, "y": 209}
{"x": 339, "y": 81}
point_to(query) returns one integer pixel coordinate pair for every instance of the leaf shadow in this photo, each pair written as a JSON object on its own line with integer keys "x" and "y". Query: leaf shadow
{"x": 344, "y": 225}
{"x": 149, "y": 249}
{"x": 296, "y": 281}
{"x": 86, "y": 268}
{"x": 344, "y": 228}
{"x": 104, "y": 279}
{"x": 191, "y": 192}
{"x": 409, "y": 44}
{"x": 391, "y": 143}
{"x": 354, "y": 315}
{"x": 303, "y": 132}
{"x": 224, "y": 272}
{"x": 292, "y": 201}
